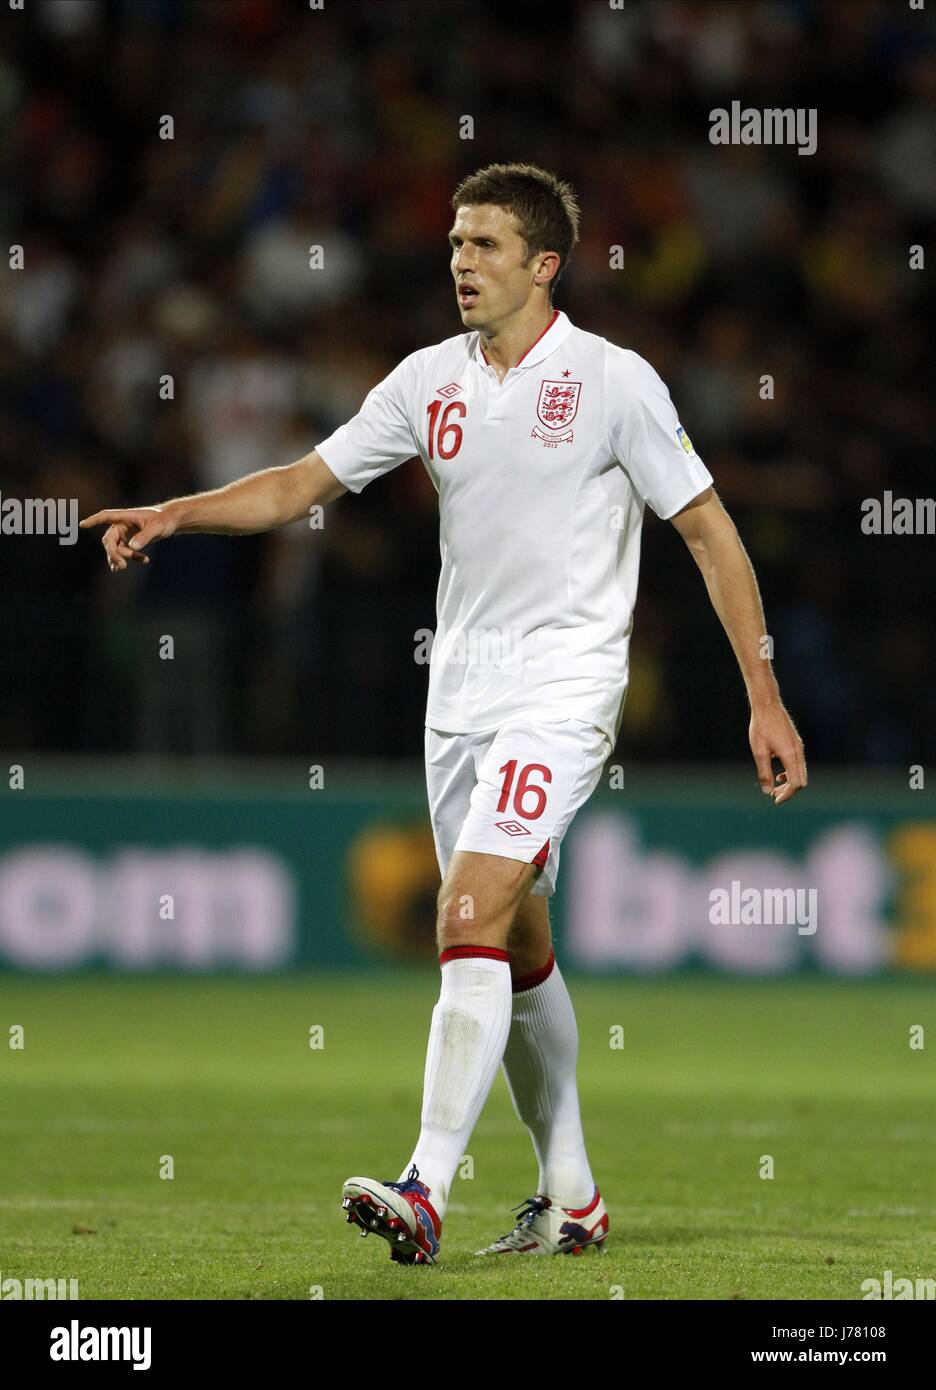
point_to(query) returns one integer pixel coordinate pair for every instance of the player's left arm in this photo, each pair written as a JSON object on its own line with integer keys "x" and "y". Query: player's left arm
{"x": 716, "y": 547}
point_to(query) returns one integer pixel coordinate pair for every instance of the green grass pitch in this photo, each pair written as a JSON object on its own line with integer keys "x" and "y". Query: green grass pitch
{"x": 262, "y": 1129}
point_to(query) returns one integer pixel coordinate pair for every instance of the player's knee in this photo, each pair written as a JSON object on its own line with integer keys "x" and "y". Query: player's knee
{"x": 457, "y": 916}
{"x": 465, "y": 921}
{"x": 478, "y": 900}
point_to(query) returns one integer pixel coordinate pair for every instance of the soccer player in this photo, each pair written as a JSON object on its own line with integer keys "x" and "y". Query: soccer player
{"x": 544, "y": 443}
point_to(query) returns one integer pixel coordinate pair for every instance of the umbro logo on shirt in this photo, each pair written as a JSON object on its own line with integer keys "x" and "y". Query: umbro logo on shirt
{"x": 452, "y": 389}
{"x": 512, "y": 827}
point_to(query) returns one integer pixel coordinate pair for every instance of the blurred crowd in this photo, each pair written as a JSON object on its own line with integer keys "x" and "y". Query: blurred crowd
{"x": 166, "y": 335}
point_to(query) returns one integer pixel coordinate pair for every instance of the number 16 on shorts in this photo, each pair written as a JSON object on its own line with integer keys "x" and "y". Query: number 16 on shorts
{"x": 527, "y": 782}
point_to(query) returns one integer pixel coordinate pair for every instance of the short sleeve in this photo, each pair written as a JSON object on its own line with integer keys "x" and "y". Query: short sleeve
{"x": 647, "y": 438}
{"x": 379, "y": 438}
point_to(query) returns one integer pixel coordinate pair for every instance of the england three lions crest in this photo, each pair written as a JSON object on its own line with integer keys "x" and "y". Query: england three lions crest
{"x": 556, "y": 409}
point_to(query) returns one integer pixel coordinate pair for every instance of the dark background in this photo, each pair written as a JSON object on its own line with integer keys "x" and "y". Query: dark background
{"x": 341, "y": 128}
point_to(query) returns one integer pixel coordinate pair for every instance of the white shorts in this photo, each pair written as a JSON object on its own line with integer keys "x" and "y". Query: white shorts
{"x": 512, "y": 791}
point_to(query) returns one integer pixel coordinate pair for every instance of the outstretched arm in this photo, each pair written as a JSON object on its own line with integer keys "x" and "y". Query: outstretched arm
{"x": 716, "y": 547}
{"x": 259, "y": 502}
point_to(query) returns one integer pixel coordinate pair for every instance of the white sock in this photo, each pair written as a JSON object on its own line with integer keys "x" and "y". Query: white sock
{"x": 539, "y": 1062}
{"x": 469, "y": 1031}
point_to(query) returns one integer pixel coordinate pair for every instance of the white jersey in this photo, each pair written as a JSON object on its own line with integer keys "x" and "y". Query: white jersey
{"x": 542, "y": 481}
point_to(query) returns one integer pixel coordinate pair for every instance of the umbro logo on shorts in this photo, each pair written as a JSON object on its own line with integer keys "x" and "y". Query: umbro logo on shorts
{"x": 512, "y": 827}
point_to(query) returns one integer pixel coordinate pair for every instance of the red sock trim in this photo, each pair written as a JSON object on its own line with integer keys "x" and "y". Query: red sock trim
{"x": 470, "y": 952}
{"x": 535, "y": 977}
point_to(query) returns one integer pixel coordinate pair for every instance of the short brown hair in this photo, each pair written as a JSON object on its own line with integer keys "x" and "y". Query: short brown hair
{"x": 546, "y": 209}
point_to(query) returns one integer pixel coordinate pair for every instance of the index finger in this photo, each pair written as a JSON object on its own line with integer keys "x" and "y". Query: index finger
{"x": 789, "y": 781}
{"x": 795, "y": 766}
